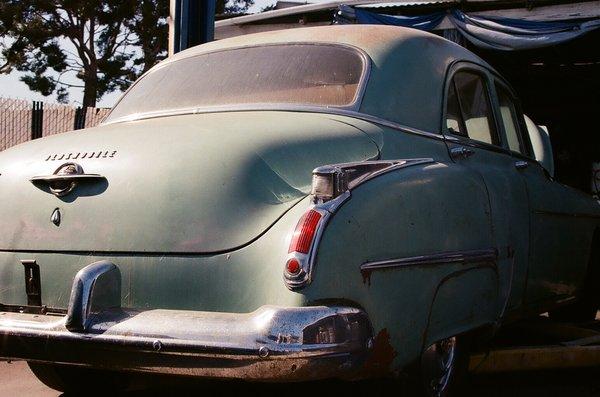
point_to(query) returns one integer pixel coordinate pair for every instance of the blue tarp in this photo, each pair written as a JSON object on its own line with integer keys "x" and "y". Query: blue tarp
{"x": 424, "y": 22}
{"x": 495, "y": 33}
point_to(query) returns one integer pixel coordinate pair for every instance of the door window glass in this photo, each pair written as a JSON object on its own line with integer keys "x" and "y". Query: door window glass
{"x": 475, "y": 107}
{"x": 508, "y": 113}
{"x": 454, "y": 121}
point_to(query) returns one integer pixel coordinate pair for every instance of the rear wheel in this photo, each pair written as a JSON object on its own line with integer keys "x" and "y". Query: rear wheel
{"x": 73, "y": 379}
{"x": 586, "y": 308}
{"x": 444, "y": 365}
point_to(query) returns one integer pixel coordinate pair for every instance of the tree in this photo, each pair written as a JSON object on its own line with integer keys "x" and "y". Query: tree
{"x": 113, "y": 42}
{"x": 96, "y": 29}
{"x": 232, "y": 6}
{"x": 151, "y": 31}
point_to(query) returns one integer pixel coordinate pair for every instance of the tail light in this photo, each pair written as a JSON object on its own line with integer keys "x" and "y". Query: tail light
{"x": 305, "y": 232}
{"x": 302, "y": 248}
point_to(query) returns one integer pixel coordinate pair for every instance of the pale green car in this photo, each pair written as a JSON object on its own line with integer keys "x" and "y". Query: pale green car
{"x": 342, "y": 201}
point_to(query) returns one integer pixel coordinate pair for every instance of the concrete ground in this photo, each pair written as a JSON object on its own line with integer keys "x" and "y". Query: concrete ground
{"x": 17, "y": 380}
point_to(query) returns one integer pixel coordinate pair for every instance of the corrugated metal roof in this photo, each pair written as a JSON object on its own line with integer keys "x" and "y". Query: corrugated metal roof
{"x": 314, "y": 7}
{"x": 405, "y": 3}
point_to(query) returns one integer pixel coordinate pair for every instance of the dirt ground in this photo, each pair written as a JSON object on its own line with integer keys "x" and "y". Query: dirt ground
{"x": 17, "y": 380}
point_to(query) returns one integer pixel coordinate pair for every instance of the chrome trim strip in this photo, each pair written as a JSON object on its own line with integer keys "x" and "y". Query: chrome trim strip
{"x": 282, "y": 107}
{"x": 461, "y": 257}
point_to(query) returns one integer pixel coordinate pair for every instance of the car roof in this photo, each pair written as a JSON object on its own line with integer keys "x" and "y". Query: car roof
{"x": 408, "y": 66}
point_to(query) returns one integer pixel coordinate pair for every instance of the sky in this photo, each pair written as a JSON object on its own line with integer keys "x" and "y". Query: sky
{"x": 12, "y": 87}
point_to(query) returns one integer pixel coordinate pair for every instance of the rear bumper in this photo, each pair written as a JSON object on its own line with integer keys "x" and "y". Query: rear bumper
{"x": 269, "y": 344}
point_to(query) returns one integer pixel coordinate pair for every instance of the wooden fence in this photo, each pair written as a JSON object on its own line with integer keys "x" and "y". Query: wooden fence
{"x": 22, "y": 120}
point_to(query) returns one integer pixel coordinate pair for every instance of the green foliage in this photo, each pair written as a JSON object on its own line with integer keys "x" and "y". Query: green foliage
{"x": 111, "y": 42}
{"x": 269, "y": 7}
{"x": 232, "y": 6}
{"x": 106, "y": 39}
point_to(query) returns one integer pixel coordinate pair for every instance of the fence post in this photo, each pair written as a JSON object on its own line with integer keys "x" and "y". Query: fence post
{"x": 80, "y": 114}
{"x": 37, "y": 119}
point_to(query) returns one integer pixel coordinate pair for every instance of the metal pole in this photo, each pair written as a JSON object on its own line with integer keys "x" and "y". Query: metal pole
{"x": 193, "y": 23}
{"x": 37, "y": 119}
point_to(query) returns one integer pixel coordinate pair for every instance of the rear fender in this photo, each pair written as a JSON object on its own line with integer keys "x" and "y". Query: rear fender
{"x": 463, "y": 301}
{"x": 411, "y": 216}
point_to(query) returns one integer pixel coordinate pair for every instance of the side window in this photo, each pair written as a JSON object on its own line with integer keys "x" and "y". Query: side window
{"x": 474, "y": 104}
{"x": 508, "y": 113}
{"x": 454, "y": 121}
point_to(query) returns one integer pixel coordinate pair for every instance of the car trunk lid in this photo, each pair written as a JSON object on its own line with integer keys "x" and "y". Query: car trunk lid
{"x": 199, "y": 183}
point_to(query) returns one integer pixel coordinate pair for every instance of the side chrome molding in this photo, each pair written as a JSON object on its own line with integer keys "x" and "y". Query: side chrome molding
{"x": 461, "y": 257}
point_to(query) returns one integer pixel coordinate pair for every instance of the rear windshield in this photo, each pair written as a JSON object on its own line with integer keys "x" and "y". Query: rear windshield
{"x": 309, "y": 74}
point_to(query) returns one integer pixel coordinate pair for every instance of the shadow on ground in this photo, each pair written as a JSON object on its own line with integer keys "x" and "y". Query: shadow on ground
{"x": 564, "y": 383}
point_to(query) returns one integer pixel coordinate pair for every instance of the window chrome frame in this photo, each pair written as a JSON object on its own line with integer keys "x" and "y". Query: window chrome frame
{"x": 483, "y": 73}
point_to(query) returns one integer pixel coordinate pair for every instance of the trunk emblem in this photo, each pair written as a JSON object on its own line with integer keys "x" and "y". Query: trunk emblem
{"x": 55, "y": 217}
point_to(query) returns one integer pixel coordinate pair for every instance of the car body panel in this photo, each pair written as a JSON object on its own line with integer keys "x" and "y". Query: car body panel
{"x": 239, "y": 281}
{"x": 163, "y": 196}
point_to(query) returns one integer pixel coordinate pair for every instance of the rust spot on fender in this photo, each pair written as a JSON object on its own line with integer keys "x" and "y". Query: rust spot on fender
{"x": 366, "y": 276}
{"x": 381, "y": 357}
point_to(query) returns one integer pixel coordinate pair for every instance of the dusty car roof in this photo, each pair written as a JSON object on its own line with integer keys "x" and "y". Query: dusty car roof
{"x": 408, "y": 66}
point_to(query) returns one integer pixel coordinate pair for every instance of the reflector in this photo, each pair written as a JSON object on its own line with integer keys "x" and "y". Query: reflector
{"x": 293, "y": 266}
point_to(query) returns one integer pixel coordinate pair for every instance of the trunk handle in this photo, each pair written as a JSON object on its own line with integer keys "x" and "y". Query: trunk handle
{"x": 65, "y": 179}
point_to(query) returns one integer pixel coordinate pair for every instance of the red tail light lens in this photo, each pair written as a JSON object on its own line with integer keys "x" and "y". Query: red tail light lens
{"x": 305, "y": 232}
{"x": 293, "y": 266}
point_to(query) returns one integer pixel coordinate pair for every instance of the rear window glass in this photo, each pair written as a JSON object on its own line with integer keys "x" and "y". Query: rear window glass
{"x": 310, "y": 74}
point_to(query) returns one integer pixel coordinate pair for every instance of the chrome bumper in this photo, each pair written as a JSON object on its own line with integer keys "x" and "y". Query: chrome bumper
{"x": 271, "y": 343}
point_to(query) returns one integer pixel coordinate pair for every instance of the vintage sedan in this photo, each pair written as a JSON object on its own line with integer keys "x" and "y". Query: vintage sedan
{"x": 333, "y": 202}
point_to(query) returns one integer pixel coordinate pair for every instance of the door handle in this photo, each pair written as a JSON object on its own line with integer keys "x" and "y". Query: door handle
{"x": 520, "y": 165}
{"x": 65, "y": 179}
{"x": 461, "y": 151}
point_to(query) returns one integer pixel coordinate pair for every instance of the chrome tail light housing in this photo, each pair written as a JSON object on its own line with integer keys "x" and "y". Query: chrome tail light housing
{"x": 331, "y": 186}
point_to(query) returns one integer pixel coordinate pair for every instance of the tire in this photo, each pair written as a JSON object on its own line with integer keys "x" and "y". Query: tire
{"x": 586, "y": 308}
{"x": 443, "y": 367}
{"x": 79, "y": 380}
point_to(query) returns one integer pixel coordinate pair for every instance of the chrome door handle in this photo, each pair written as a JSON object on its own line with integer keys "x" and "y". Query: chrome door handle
{"x": 65, "y": 179}
{"x": 520, "y": 165}
{"x": 461, "y": 151}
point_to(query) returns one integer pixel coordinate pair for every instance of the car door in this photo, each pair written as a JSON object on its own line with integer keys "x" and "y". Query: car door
{"x": 474, "y": 142}
{"x": 559, "y": 241}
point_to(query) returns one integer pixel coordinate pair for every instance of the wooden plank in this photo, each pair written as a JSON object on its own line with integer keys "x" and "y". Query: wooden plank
{"x": 535, "y": 359}
{"x": 589, "y": 9}
{"x": 223, "y": 32}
